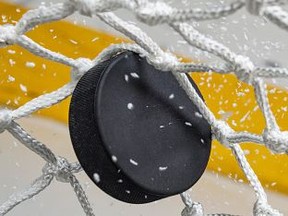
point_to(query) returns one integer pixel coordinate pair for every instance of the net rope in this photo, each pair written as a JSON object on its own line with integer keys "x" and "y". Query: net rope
{"x": 150, "y": 13}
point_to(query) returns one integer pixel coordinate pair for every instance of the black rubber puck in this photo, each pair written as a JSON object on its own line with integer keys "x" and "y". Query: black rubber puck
{"x": 135, "y": 132}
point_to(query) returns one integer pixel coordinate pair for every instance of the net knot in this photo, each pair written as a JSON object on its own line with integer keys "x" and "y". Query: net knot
{"x": 82, "y": 66}
{"x": 244, "y": 68}
{"x": 5, "y": 119}
{"x": 153, "y": 13}
{"x": 276, "y": 141}
{"x": 222, "y": 131}
{"x": 90, "y": 7}
{"x": 62, "y": 170}
{"x": 195, "y": 210}
{"x": 254, "y": 6}
{"x": 164, "y": 62}
{"x": 264, "y": 209}
{"x": 8, "y": 35}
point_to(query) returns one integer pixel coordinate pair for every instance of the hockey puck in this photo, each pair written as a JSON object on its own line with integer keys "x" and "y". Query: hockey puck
{"x": 135, "y": 131}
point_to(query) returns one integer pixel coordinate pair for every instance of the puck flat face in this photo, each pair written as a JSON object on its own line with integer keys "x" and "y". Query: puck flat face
{"x": 135, "y": 131}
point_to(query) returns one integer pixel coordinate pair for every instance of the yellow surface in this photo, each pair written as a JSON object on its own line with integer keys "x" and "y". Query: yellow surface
{"x": 225, "y": 95}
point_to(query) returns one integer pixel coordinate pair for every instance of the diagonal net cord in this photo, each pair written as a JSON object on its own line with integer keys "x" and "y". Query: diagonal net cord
{"x": 36, "y": 187}
{"x": 151, "y": 13}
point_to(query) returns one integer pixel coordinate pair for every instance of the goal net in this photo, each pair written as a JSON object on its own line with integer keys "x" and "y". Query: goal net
{"x": 151, "y": 13}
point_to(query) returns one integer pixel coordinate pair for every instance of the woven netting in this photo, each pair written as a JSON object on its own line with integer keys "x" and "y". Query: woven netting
{"x": 151, "y": 13}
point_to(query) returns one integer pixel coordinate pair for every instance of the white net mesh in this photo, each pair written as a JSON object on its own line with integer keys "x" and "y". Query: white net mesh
{"x": 151, "y": 13}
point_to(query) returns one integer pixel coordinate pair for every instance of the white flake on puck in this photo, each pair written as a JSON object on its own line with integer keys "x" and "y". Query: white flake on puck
{"x": 96, "y": 177}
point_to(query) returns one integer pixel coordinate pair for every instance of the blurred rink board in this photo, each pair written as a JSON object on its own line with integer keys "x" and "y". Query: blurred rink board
{"x": 25, "y": 76}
